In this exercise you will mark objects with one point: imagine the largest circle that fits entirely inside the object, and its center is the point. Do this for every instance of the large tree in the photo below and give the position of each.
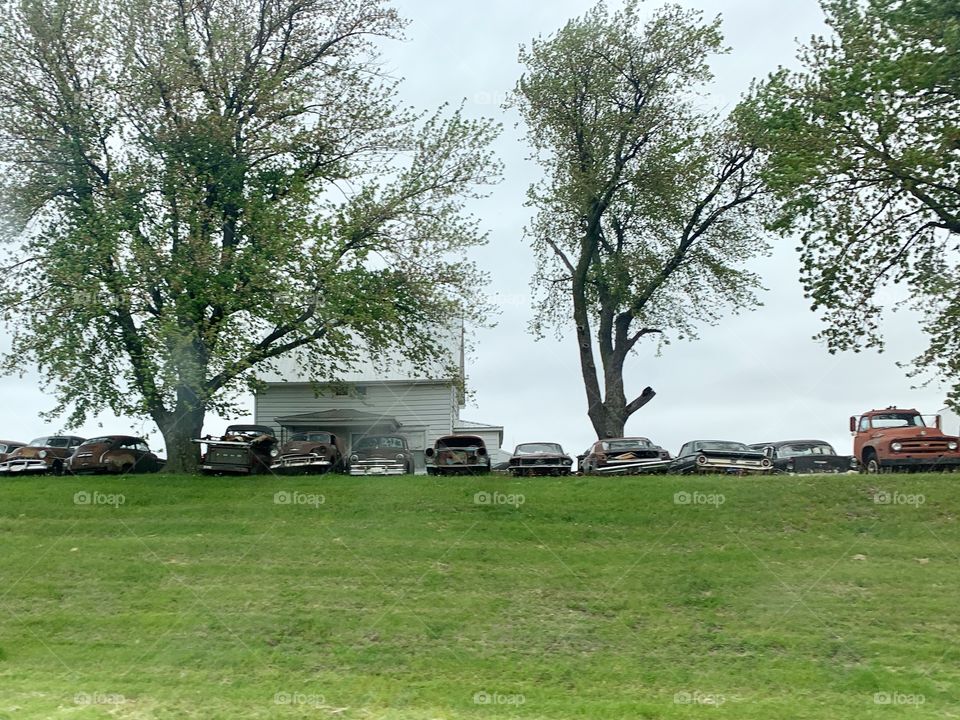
(864, 147)
(644, 216)
(197, 187)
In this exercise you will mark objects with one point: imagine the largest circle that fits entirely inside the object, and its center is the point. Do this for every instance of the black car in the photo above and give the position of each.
(720, 456)
(807, 457)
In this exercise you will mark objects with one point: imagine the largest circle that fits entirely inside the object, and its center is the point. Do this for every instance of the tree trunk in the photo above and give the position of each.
(179, 429)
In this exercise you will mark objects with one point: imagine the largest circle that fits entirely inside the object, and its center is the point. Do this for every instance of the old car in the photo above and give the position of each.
(902, 439)
(242, 449)
(623, 456)
(720, 456)
(7, 447)
(457, 455)
(806, 457)
(311, 452)
(381, 455)
(113, 454)
(539, 458)
(42, 455)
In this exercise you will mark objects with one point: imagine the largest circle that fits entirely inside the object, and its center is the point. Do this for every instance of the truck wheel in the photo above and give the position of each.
(871, 464)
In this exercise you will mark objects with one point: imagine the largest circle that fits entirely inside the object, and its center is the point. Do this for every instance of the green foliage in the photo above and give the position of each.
(864, 149)
(645, 215)
(200, 188)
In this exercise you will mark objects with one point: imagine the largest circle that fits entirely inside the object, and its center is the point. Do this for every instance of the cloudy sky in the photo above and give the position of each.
(755, 377)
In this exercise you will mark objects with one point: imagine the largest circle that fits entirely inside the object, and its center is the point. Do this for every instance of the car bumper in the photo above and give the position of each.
(232, 469)
(24, 467)
(302, 462)
(465, 468)
(948, 461)
(541, 467)
(372, 468)
(633, 467)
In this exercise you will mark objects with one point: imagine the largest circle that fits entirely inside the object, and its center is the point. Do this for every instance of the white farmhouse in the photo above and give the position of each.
(369, 401)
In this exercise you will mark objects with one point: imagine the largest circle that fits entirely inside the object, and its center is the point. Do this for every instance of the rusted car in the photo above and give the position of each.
(902, 439)
(720, 456)
(310, 452)
(805, 457)
(623, 456)
(457, 455)
(241, 450)
(41, 456)
(381, 455)
(119, 454)
(539, 458)
(7, 447)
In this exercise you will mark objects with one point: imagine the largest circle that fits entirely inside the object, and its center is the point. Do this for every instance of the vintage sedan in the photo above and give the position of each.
(807, 457)
(381, 455)
(119, 454)
(41, 456)
(241, 450)
(457, 455)
(539, 458)
(7, 447)
(623, 456)
(720, 456)
(311, 452)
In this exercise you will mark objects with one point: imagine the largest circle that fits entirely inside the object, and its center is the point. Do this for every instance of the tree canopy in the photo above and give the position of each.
(864, 148)
(194, 189)
(645, 216)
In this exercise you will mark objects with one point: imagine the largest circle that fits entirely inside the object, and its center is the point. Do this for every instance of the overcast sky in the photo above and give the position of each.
(756, 377)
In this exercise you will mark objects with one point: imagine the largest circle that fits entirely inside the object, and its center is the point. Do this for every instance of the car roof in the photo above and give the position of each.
(781, 443)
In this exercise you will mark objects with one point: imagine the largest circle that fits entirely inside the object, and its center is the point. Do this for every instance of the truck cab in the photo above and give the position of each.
(902, 439)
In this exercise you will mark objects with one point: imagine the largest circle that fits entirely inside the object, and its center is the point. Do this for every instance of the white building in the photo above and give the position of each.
(370, 401)
(950, 421)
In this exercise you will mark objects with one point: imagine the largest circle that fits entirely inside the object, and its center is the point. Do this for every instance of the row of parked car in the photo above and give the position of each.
(884, 440)
(60, 454)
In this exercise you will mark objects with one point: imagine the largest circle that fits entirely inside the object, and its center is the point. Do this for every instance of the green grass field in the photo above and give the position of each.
(412, 597)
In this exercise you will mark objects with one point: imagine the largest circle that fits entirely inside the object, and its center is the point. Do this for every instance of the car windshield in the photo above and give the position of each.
(723, 446)
(380, 443)
(55, 442)
(626, 444)
(895, 420)
(320, 437)
(97, 441)
(249, 430)
(534, 448)
(801, 449)
(466, 441)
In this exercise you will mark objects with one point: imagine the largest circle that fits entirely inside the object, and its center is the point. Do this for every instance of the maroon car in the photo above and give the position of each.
(539, 458)
(41, 456)
(113, 454)
(311, 452)
(7, 447)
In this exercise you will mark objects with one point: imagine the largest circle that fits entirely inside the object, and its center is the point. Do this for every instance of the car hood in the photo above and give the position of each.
(381, 453)
(304, 446)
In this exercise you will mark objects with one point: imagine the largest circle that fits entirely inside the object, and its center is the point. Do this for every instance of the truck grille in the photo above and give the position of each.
(934, 446)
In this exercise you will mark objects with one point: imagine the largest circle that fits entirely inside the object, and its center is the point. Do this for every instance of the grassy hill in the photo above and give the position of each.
(415, 597)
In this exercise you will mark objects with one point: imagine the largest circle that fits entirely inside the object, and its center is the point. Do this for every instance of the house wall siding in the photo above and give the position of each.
(423, 408)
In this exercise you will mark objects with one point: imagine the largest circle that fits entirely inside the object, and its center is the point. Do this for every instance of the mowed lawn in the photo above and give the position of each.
(413, 597)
